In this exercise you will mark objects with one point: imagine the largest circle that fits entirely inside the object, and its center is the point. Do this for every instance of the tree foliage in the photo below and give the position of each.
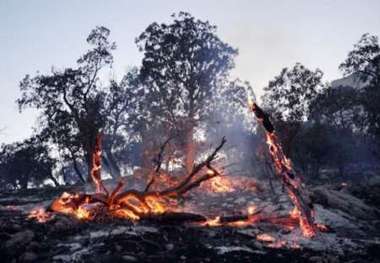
(290, 94)
(363, 63)
(24, 163)
(72, 100)
(184, 63)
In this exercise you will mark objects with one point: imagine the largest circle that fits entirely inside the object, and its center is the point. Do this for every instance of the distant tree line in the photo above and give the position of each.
(330, 127)
(183, 91)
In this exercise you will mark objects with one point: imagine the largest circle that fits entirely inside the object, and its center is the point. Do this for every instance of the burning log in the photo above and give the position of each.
(285, 171)
(132, 204)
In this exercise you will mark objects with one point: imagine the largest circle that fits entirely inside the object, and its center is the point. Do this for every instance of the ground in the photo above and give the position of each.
(352, 237)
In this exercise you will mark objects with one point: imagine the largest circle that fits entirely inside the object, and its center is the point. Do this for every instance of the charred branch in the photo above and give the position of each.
(285, 172)
(158, 161)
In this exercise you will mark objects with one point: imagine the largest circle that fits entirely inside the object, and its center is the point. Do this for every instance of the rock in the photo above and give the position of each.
(169, 246)
(16, 227)
(129, 258)
(316, 259)
(240, 200)
(34, 245)
(118, 248)
(375, 180)
(343, 201)
(28, 257)
(20, 239)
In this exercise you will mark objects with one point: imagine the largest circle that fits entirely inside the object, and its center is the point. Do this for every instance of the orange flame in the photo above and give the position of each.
(40, 215)
(220, 184)
(212, 222)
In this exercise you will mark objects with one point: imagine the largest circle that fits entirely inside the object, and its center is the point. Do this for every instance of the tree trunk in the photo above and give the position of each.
(189, 149)
(146, 150)
(112, 164)
(77, 171)
(24, 183)
(54, 180)
(89, 165)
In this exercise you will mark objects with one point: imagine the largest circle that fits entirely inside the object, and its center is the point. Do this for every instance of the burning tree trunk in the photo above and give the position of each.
(96, 166)
(288, 176)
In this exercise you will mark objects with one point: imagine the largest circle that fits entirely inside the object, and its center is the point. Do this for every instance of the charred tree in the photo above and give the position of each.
(288, 176)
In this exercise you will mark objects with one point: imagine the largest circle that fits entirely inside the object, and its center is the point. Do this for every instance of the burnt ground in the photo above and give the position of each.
(65, 239)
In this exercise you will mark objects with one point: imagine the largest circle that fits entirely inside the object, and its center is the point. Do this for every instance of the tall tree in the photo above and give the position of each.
(290, 94)
(338, 107)
(363, 63)
(288, 98)
(71, 101)
(183, 64)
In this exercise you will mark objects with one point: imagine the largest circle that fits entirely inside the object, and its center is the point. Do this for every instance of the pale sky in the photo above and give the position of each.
(38, 34)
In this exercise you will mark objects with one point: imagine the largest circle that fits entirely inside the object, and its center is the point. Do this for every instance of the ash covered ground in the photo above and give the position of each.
(353, 234)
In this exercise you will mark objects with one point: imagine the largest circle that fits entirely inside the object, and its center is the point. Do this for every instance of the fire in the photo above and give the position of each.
(136, 205)
(125, 213)
(96, 166)
(40, 215)
(220, 184)
(83, 213)
(280, 160)
(295, 214)
(265, 237)
(251, 209)
(284, 170)
(73, 204)
(212, 222)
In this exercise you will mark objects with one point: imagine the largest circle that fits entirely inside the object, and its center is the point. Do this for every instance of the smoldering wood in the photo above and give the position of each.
(290, 180)
(103, 196)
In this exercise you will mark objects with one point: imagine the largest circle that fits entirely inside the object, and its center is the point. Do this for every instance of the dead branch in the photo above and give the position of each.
(180, 188)
(158, 162)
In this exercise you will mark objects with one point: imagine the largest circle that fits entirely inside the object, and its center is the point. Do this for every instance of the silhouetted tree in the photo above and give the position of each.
(122, 122)
(290, 94)
(337, 107)
(71, 101)
(288, 98)
(183, 64)
(25, 162)
(363, 63)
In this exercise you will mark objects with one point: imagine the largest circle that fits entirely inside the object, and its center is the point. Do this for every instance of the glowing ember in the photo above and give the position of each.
(278, 244)
(295, 214)
(210, 172)
(285, 171)
(132, 204)
(213, 222)
(219, 184)
(251, 209)
(83, 213)
(322, 227)
(40, 215)
(265, 238)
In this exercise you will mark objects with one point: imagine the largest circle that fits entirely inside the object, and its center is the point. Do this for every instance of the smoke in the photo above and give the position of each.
(231, 119)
